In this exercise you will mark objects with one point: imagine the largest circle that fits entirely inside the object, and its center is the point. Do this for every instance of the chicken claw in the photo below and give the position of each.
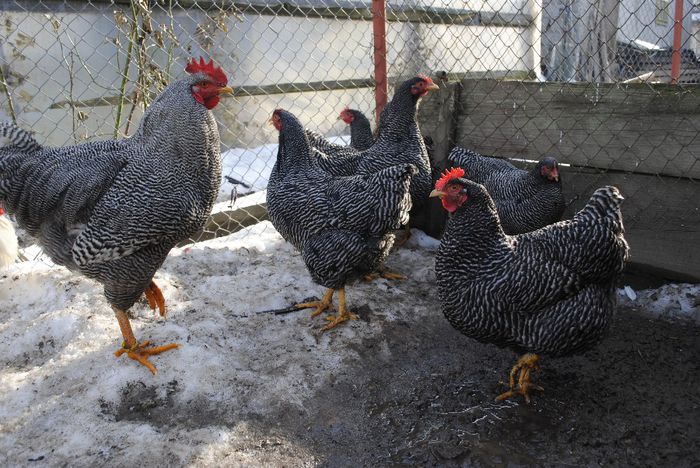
(133, 349)
(343, 314)
(386, 274)
(526, 364)
(140, 352)
(325, 303)
(155, 298)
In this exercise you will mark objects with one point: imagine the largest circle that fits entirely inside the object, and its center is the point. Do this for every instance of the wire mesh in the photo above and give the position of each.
(77, 70)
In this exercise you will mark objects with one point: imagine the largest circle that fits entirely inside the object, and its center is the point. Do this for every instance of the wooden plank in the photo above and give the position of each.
(243, 91)
(286, 88)
(224, 223)
(641, 128)
(661, 215)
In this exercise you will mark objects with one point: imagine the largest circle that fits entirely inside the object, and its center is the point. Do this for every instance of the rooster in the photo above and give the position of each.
(550, 291)
(525, 200)
(112, 210)
(341, 225)
(8, 242)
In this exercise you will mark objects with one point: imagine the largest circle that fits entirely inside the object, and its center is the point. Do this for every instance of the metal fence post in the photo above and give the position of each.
(677, 37)
(380, 68)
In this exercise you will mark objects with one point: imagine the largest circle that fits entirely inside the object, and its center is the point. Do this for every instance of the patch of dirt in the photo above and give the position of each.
(422, 394)
(431, 401)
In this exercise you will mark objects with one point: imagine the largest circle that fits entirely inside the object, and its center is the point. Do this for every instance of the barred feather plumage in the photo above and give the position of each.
(342, 225)
(112, 210)
(399, 142)
(20, 139)
(525, 200)
(361, 137)
(550, 291)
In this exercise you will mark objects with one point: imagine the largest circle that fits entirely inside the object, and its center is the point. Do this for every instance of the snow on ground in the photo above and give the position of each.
(66, 399)
(252, 166)
(669, 301)
(62, 389)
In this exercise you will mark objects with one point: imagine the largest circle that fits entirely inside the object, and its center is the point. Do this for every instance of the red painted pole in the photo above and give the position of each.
(677, 37)
(380, 71)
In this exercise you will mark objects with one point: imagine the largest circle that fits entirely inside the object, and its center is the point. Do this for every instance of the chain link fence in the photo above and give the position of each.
(585, 81)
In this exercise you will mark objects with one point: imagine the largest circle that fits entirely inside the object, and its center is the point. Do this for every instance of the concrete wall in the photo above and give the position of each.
(638, 21)
(253, 49)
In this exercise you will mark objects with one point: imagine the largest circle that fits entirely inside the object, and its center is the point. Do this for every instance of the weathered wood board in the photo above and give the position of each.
(224, 223)
(622, 135)
(661, 215)
(641, 128)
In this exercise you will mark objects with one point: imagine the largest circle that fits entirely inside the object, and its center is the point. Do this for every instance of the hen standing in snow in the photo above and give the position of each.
(341, 225)
(112, 210)
(525, 201)
(8, 242)
(550, 291)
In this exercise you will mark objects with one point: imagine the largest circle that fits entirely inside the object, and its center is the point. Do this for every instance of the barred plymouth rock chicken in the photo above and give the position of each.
(550, 291)
(112, 210)
(525, 200)
(341, 225)
(361, 136)
(399, 142)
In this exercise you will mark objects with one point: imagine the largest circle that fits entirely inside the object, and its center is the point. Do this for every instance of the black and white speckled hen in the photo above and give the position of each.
(399, 142)
(112, 210)
(342, 225)
(525, 200)
(550, 291)
(361, 136)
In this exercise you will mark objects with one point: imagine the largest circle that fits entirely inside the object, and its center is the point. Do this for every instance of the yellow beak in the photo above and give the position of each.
(225, 90)
(432, 87)
(437, 193)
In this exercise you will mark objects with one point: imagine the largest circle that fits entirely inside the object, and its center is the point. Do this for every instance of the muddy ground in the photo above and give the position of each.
(633, 401)
(398, 387)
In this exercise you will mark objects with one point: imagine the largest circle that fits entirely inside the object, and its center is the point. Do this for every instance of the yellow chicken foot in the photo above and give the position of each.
(343, 314)
(526, 364)
(155, 298)
(386, 274)
(135, 350)
(325, 303)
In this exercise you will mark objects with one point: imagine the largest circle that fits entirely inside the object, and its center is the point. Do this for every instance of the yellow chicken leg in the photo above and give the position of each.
(386, 274)
(325, 303)
(526, 364)
(155, 298)
(135, 350)
(343, 314)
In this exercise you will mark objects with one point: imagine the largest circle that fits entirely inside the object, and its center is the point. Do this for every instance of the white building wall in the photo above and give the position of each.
(252, 49)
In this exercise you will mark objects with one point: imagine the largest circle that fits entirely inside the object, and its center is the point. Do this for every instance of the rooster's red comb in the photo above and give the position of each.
(425, 77)
(215, 73)
(448, 175)
(2, 212)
